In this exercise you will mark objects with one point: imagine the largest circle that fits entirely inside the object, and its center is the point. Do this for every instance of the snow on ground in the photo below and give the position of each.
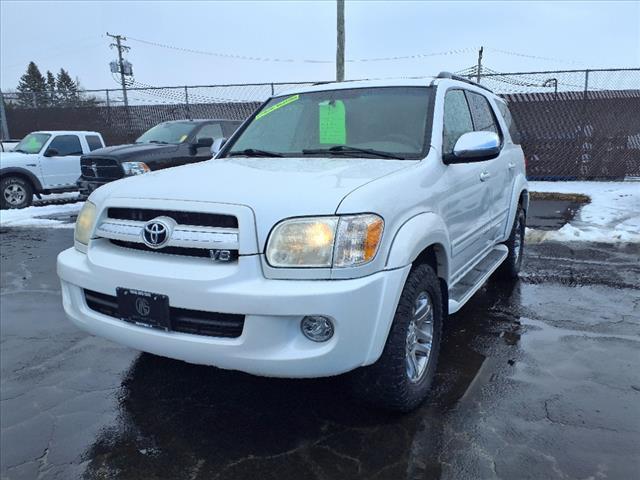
(612, 216)
(57, 197)
(56, 216)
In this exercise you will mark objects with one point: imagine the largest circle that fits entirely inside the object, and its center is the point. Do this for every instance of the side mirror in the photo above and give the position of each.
(217, 145)
(475, 147)
(203, 142)
(51, 152)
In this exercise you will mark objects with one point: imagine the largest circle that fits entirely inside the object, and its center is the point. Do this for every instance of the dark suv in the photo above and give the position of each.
(166, 145)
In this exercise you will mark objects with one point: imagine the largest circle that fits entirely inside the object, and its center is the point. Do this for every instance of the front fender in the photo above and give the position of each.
(37, 186)
(416, 234)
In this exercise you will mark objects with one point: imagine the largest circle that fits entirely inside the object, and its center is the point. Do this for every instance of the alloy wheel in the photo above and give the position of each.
(419, 337)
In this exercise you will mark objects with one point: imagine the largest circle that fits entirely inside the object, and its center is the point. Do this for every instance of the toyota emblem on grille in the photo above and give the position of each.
(94, 169)
(156, 233)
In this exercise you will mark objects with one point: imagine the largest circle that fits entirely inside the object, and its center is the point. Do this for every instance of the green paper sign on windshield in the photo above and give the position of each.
(332, 124)
(33, 144)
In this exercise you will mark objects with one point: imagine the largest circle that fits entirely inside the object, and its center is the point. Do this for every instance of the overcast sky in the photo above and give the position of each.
(71, 34)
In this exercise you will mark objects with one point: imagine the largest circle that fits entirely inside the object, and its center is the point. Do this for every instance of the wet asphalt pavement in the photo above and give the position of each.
(537, 379)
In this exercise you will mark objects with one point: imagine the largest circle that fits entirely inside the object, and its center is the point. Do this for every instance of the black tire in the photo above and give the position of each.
(387, 382)
(15, 192)
(510, 268)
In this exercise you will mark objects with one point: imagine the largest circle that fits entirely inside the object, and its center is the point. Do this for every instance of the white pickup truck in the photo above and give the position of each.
(333, 232)
(43, 162)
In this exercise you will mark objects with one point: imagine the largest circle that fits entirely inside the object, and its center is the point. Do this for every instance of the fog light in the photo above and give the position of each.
(317, 328)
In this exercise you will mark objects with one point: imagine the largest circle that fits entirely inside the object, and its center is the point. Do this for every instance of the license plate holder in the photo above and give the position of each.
(147, 309)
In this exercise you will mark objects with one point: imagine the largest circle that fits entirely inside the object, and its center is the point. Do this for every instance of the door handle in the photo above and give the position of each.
(484, 176)
(511, 165)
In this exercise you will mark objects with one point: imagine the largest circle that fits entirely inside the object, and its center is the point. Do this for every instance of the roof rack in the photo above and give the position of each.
(452, 76)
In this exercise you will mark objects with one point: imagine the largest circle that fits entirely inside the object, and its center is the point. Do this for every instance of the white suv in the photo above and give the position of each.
(334, 232)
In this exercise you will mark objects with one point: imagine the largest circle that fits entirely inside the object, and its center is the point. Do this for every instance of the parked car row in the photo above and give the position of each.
(46, 162)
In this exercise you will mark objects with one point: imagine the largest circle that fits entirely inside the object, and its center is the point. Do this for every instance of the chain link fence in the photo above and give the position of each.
(104, 110)
(574, 124)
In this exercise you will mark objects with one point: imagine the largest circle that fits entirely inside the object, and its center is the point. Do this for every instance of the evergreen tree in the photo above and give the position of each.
(32, 81)
(67, 88)
(51, 88)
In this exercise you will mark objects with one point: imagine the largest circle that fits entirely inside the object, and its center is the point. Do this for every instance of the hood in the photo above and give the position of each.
(8, 159)
(137, 150)
(274, 188)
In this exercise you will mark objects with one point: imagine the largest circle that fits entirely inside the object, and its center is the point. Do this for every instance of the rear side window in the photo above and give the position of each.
(212, 130)
(94, 142)
(66, 145)
(457, 119)
(511, 123)
(482, 114)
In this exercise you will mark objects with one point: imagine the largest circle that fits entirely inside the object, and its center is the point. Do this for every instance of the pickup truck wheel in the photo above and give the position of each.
(401, 378)
(16, 192)
(510, 268)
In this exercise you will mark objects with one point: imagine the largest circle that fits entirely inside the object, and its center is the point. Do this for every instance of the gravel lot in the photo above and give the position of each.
(538, 379)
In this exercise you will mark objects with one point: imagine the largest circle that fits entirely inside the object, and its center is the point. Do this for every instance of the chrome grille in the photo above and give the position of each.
(200, 219)
(100, 168)
(219, 244)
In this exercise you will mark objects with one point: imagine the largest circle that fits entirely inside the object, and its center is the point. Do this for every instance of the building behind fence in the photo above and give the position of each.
(574, 124)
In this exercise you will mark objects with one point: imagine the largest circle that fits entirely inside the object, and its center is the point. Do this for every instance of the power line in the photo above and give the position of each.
(534, 57)
(294, 60)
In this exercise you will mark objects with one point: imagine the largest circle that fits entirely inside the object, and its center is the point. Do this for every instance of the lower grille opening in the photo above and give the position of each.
(184, 251)
(182, 320)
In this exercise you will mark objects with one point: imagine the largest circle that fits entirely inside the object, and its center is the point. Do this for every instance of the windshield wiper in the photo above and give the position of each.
(19, 150)
(346, 150)
(254, 152)
(158, 141)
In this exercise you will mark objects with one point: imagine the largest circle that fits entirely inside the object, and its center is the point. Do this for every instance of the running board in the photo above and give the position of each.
(472, 281)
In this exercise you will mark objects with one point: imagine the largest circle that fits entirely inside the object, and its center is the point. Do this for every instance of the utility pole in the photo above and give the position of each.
(340, 46)
(121, 47)
(479, 72)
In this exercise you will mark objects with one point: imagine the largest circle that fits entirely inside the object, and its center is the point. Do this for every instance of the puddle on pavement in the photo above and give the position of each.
(178, 418)
(509, 374)
(190, 415)
(551, 214)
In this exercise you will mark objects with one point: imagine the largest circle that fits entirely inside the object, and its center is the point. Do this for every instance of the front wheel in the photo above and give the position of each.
(401, 378)
(15, 192)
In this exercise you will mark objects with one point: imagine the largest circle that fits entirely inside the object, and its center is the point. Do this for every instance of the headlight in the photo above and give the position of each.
(135, 168)
(341, 241)
(84, 223)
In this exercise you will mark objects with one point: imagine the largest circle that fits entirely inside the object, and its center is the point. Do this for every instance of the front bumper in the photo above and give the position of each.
(271, 343)
(86, 187)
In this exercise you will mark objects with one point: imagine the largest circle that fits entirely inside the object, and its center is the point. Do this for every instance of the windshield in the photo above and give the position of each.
(383, 122)
(170, 132)
(32, 143)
